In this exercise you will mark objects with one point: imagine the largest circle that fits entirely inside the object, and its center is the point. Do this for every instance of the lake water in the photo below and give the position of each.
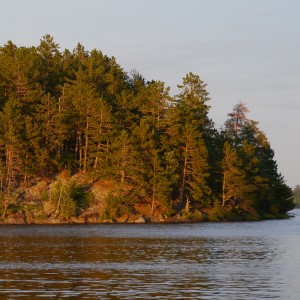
(256, 260)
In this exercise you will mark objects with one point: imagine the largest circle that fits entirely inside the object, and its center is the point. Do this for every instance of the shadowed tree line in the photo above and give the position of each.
(80, 111)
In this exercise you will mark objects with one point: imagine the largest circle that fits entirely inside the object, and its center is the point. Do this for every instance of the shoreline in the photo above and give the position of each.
(140, 221)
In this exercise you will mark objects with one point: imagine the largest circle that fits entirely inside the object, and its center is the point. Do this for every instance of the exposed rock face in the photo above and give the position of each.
(107, 221)
(136, 219)
(132, 218)
(141, 219)
(101, 190)
(123, 218)
(36, 206)
(17, 218)
(92, 218)
(158, 218)
(174, 219)
(35, 193)
(30, 218)
(89, 216)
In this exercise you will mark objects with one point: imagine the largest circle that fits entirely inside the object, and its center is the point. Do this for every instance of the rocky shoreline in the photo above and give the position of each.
(21, 218)
(40, 202)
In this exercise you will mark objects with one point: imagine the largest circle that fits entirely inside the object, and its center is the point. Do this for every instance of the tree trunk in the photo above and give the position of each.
(223, 188)
(96, 158)
(78, 148)
(86, 147)
(99, 143)
(181, 194)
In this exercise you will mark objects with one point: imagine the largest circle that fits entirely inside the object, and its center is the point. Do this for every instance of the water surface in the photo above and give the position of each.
(255, 260)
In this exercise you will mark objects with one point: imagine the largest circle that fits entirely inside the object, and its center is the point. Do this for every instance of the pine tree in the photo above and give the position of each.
(125, 161)
(50, 65)
(187, 120)
(236, 121)
(12, 141)
(234, 177)
(78, 110)
(262, 177)
(156, 183)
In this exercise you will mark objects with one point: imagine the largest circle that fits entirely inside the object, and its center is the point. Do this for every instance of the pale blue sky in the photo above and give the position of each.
(245, 50)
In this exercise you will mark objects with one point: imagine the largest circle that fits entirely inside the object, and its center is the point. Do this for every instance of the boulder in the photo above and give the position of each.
(158, 218)
(132, 218)
(107, 221)
(136, 219)
(141, 219)
(123, 218)
(92, 218)
(174, 219)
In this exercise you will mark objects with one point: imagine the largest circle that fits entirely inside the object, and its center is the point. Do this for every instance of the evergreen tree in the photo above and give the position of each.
(125, 161)
(12, 141)
(78, 110)
(50, 66)
(188, 118)
(258, 164)
(236, 122)
(234, 177)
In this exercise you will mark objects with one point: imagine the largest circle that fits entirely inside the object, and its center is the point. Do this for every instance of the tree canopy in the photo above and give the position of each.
(80, 111)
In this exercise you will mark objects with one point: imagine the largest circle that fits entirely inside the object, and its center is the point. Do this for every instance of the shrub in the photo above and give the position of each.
(217, 213)
(68, 196)
(117, 205)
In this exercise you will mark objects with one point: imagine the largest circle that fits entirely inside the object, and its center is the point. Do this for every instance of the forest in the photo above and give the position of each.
(81, 140)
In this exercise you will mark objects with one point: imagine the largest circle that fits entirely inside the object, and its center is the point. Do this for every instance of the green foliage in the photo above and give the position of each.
(283, 198)
(13, 208)
(218, 212)
(197, 216)
(67, 197)
(262, 189)
(36, 210)
(79, 111)
(81, 196)
(194, 216)
(234, 177)
(187, 122)
(8, 203)
(116, 205)
(60, 196)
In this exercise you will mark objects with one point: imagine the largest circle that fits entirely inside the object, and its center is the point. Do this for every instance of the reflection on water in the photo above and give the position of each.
(257, 260)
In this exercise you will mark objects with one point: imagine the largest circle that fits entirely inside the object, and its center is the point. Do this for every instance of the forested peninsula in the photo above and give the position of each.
(83, 141)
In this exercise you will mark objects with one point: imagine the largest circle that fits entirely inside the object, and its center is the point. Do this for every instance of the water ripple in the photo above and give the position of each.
(259, 260)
